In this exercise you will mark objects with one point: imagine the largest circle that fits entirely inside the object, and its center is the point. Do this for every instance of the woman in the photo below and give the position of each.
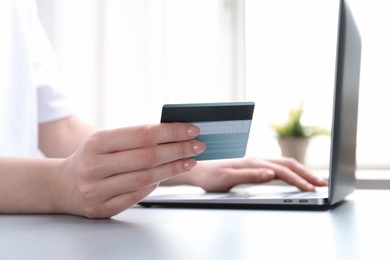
(83, 171)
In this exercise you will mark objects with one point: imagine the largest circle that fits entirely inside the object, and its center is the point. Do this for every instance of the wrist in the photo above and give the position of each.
(60, 190)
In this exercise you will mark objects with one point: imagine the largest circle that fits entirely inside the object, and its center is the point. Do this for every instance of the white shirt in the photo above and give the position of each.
(28, 79)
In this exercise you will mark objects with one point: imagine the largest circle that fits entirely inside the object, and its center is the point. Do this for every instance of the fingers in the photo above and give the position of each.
(286, 169)
(122, 202)
(294, 173)
(300, 170)
(110, 196)
(259, 175)
(132, 181)
(140, 136)
(244, 175)
(117, 204)
(144, 158)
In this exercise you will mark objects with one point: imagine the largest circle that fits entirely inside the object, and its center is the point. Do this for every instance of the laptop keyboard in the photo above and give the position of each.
(278, 193)
(281, 195)
(301, 194)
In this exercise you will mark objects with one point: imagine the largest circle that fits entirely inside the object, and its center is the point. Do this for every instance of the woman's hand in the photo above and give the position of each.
(222, 175)
(115, 169)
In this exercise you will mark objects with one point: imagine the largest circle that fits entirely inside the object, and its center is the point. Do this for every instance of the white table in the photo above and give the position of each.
(357, 229)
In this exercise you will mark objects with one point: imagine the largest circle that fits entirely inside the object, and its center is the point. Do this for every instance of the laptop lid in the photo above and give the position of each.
(345, 112)
(343, 136)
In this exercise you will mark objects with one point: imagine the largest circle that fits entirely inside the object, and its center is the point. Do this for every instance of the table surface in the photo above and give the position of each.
(356, 229)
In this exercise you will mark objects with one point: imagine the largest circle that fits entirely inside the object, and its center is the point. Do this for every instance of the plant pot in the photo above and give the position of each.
(294, 147)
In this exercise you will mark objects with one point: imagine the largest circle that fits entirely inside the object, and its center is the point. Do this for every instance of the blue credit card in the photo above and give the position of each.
(224, 127)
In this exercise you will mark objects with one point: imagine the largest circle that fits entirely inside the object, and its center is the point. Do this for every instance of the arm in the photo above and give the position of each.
(63, 137)
(110, 171)
(29, 185)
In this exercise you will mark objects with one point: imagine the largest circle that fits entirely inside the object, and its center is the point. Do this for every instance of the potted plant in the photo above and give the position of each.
(293, 137)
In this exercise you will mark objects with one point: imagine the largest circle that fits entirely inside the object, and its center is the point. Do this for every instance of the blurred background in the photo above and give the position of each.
(121, 60)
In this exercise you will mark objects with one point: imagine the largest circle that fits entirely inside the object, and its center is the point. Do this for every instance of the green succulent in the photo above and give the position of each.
(294, 128)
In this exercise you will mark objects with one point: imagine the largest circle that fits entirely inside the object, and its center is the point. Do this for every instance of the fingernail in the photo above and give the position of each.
(189, 164)
(199, 147)
(193, 131)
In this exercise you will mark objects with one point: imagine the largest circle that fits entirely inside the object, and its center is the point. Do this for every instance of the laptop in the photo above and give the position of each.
(343, 144)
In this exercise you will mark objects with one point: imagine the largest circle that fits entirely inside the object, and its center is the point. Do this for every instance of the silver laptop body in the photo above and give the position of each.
(343, 144)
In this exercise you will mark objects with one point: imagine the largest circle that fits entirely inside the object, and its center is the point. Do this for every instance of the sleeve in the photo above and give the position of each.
(52, 102)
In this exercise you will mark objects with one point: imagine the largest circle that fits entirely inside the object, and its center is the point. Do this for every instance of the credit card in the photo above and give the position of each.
(224, 127)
